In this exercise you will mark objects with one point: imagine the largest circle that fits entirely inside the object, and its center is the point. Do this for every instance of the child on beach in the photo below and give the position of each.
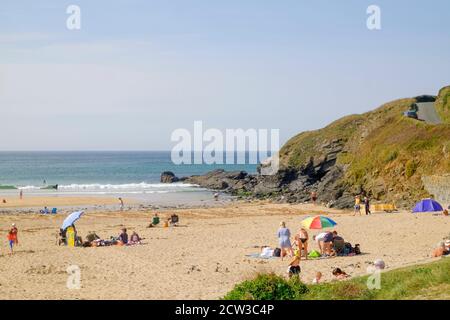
(12, 237)
(134, 239)
(317, 278)
(294, 267)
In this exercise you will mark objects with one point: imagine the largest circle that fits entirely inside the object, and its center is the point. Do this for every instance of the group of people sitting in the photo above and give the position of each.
(329, 244)
(123, 239)
(173, 221)
(93, 240)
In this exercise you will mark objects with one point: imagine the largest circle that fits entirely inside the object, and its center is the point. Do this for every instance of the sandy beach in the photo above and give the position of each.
(203, 258)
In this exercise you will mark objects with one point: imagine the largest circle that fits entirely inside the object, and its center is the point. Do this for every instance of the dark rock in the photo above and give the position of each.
(168, 177)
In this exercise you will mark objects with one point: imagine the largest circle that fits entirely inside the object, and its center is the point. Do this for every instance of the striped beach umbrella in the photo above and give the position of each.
(318, 222)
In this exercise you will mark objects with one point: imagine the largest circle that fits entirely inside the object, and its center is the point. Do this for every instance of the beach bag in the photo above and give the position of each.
(314, 254)
(277, 252)
(357, 249)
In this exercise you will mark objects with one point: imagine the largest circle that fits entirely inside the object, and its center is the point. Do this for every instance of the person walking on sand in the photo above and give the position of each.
(121, 204)
(367, 205)
(284, 238)
(21, 194)
(12, 237)
(357, 205)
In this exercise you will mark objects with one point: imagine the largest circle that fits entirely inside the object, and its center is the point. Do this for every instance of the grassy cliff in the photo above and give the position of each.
(422, 282)
(443, 104)
(382, 152)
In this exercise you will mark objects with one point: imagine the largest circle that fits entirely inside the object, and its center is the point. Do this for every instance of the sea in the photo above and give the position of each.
(107, 173)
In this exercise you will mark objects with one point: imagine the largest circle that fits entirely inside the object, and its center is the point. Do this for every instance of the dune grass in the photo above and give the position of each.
(427, 281)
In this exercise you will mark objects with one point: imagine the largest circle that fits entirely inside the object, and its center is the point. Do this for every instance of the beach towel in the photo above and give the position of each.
(314, 254)
(259, 256)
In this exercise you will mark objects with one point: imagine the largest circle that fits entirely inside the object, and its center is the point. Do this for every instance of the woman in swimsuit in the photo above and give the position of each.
(302, 241)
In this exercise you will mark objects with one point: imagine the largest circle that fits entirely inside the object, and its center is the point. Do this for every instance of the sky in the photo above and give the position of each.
(138, 70)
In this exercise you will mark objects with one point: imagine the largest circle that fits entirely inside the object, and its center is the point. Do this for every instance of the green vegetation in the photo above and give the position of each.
(268, 287)
(443, 104)
(7, 187)
(241, 193)
(383, 151)
(428, 281)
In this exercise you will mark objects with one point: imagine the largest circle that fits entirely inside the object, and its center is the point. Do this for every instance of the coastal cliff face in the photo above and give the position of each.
(380, 153)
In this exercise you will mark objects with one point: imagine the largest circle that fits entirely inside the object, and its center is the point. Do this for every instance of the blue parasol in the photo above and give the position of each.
(71, 218)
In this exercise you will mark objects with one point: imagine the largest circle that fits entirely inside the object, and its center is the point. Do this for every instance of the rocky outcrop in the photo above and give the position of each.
(292, 185)
(168, 177)
(380, 153)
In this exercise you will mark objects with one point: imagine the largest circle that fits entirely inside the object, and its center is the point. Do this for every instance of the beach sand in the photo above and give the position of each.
(203, 258)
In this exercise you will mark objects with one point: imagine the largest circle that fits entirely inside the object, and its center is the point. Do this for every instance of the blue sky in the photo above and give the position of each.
(137, 70)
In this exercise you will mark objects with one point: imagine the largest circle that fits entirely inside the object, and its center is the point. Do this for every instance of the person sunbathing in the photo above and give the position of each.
(339, 274)
(441, 250)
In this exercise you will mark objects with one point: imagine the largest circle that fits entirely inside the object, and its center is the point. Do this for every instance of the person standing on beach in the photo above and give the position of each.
(367, 205)
(121, 204)
(357, 205)
(302, 241)
(314, 197)
(21, 194)
(12, 237)
(284, 238)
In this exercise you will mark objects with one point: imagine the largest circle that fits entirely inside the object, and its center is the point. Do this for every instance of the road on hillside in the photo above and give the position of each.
(427, 112)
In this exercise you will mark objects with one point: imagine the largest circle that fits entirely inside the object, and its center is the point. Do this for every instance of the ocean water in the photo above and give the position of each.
(99, 173)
